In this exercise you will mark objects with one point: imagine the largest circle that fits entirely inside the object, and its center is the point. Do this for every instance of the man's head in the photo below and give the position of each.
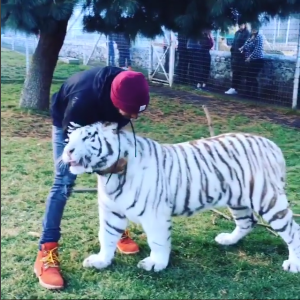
(255, 28)
(242, 26)
(130, 93)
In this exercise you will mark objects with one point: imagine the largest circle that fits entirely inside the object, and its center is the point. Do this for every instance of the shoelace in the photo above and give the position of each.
(126, 239)
(51, 260)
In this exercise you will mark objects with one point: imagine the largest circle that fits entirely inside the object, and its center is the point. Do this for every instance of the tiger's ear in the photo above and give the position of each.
(109, 126)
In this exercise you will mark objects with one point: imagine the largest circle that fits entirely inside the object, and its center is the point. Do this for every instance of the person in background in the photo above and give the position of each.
(206, 44)
(108, 94)
(194, 60)
(254, 58)
(111, 51)
(238, 58)
(123, 43)
(183, 60)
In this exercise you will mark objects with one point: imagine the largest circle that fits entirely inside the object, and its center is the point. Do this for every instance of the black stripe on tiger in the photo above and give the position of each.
(114, 228)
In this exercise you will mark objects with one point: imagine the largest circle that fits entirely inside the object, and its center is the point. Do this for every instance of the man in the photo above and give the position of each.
(254, 55)
(111, 51)
(238, 58)
(183, 60)
(123, 44)
(99, 94)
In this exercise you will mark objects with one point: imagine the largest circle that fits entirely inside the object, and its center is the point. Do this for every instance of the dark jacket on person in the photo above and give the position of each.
(182, 42)
(193, 44)
(84, 98)
(204, 43)
(240, 37)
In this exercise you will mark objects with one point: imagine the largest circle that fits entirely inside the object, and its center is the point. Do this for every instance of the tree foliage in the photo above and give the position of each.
(185, 16)
(34, 16)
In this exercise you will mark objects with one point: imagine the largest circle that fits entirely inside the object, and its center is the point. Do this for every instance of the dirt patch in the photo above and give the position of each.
(225, 108)
(22, 124)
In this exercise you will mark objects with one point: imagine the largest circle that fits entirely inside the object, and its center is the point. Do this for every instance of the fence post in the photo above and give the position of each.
(107, 51)
(172, 58)
(288, 30)
(94, 48)
(150, 65)
(13, 44)
(296, 77)
(275, 29)
(217, 40)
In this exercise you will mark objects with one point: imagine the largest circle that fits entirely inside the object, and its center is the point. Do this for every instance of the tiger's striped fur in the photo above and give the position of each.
(244, 172)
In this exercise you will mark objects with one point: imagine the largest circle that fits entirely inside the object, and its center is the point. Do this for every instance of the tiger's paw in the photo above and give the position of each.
(95, 261)
(291, 265)
(148, 263)
(225, 239)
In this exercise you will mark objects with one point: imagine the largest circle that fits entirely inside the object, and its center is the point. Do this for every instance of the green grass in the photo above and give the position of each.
(199, 268)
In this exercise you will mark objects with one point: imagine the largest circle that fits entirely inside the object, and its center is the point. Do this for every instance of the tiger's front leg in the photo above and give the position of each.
(159, 240)
(112, 225)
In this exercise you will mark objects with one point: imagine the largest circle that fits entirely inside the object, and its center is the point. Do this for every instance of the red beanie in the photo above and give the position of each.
(130, 92)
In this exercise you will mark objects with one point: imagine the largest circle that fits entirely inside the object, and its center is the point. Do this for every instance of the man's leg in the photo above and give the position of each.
(234, 70)
(255, 67)
(122, 58)
(206, 69)
(128, 56)
(47, 264)
(241, 76)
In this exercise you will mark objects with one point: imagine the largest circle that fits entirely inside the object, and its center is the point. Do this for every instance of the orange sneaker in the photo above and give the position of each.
(126, 245)
(46, 267)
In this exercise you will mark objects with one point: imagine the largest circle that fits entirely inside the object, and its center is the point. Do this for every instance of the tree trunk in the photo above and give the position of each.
(36, 90)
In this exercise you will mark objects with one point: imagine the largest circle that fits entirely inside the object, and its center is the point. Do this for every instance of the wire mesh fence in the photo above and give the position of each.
(262, 68)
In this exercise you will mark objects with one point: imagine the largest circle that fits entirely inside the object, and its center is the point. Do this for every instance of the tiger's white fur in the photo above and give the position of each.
(242, 171)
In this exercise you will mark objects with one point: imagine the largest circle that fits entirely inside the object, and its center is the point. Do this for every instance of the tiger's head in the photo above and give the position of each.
(92, 148)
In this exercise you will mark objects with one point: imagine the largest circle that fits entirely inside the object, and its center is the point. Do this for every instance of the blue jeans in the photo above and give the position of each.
(59, 193)
(124, 53)
(111, 54)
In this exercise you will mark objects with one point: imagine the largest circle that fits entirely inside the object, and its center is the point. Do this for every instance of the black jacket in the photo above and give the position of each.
(84, 98)
(240, 37)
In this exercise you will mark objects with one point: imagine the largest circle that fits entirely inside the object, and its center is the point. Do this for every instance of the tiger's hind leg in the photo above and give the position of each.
(280, 217)
(245, 220)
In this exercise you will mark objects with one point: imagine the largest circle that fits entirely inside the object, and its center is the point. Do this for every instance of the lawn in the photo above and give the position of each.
(199, 268)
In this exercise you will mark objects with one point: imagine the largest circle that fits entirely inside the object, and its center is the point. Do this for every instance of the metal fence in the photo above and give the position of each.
(173, 60)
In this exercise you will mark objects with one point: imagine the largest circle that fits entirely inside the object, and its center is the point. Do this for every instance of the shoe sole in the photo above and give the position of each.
(123, 252)
(45, 285)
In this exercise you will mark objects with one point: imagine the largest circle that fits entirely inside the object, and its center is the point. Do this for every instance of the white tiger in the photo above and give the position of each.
(241, 171)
